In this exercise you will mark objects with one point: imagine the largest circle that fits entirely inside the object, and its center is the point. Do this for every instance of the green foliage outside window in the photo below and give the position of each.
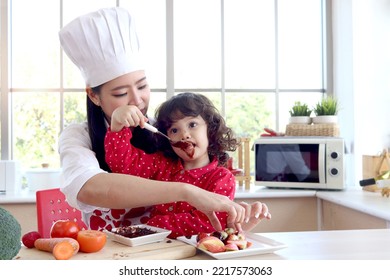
(36, 123)
(247, 114)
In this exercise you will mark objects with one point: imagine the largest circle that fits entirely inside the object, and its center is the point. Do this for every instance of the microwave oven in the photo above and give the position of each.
(300, 162)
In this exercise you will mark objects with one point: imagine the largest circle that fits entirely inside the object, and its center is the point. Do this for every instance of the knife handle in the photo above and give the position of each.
(367, 182)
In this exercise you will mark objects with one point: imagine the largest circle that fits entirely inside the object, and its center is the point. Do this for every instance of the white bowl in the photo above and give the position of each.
(160, 235)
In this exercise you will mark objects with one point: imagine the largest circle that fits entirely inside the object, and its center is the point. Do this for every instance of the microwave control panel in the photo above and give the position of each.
(335, 163)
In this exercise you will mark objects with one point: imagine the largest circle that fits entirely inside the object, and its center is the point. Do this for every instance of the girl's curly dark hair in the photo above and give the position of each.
(221, 138)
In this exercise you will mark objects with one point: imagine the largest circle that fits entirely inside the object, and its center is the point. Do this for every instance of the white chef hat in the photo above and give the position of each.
(103, 45)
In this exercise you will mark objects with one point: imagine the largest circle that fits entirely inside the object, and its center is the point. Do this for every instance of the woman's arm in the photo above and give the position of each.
(87, 187)
(112, 190)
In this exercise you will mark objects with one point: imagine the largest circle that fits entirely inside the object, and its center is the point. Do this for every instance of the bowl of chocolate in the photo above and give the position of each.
(138, 235)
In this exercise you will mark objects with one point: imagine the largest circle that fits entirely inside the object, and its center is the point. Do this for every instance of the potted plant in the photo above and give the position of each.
(326, 110)
(300, 113)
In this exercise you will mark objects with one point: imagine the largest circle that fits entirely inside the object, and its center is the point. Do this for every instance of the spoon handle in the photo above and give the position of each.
(154, 130)
(150, 128)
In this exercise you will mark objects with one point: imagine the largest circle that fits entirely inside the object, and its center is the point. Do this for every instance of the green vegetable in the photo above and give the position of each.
(10, 235)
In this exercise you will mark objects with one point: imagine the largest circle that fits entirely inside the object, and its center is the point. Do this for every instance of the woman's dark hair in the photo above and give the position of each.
(221, 138)
(97, 129)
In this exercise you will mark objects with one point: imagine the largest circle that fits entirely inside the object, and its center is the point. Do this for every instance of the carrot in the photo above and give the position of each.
(48, 245)
(63, 250)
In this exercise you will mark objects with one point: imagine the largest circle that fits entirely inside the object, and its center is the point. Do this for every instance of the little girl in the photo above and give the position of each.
(185, 117)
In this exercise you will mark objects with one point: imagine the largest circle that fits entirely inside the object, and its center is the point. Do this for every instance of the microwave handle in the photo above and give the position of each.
(321, 163)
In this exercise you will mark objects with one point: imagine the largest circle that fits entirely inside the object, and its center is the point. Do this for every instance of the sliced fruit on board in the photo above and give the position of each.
(211, 244)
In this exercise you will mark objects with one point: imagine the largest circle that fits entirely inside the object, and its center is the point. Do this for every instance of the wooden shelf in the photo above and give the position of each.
(244, 163)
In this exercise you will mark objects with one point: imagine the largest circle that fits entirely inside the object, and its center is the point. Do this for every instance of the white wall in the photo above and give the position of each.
(361, 31)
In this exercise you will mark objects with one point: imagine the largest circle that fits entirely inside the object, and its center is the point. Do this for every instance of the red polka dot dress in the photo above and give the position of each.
(180, 217)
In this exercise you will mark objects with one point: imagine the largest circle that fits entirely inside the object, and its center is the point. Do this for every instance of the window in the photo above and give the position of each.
(253, 58)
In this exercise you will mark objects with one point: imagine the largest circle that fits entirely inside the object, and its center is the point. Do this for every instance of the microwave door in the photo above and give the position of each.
(321, 164)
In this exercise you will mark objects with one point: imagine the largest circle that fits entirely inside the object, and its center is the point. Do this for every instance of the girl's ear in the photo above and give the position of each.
(92, 96)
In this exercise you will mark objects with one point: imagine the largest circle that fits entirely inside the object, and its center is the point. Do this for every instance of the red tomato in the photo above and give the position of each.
(91, 241)
(64, 228)
(29, 238)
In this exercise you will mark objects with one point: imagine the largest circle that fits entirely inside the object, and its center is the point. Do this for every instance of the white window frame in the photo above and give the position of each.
(6, 91)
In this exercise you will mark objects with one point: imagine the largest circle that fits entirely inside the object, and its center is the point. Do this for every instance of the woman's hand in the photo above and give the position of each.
(254, 213)
(126, 116)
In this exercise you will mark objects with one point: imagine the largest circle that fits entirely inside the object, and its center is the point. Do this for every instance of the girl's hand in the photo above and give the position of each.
(209, 203)
(254, 213)
(127, 116)
(241, 220)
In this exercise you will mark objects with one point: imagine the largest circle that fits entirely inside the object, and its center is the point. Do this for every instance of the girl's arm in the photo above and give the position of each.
(185, 220)
(123, 157)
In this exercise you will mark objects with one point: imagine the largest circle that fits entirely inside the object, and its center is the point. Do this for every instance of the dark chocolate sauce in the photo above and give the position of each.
(186, 147)
(132, 232)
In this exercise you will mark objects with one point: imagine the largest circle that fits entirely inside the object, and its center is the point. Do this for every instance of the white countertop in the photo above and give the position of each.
(263, 192)
(355, 198)
(28, 196)
(22, 196)
(371, 244)
(371, 203)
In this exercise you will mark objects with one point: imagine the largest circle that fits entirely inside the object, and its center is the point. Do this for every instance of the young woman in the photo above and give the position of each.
(104, 45)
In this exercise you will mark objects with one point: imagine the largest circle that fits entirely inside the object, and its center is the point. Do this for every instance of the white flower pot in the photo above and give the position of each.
(325, 119)
(300, 120)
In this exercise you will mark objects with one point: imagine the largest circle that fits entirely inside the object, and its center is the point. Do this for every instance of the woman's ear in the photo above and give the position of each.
(92, 96)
